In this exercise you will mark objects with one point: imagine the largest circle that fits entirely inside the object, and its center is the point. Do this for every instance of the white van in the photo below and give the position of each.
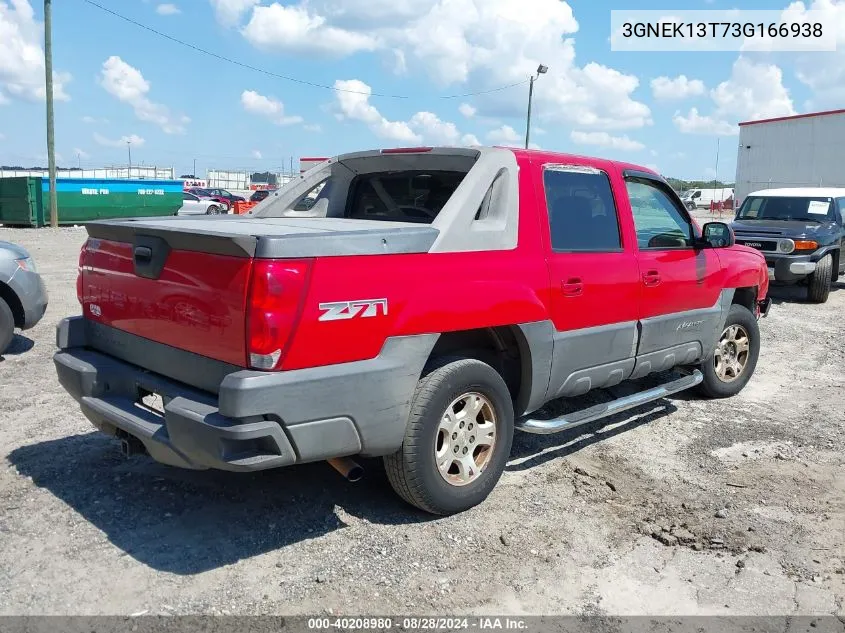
(701, 198)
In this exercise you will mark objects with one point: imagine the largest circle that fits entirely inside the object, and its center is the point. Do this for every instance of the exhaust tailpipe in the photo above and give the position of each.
(350, 470)
(131, 445)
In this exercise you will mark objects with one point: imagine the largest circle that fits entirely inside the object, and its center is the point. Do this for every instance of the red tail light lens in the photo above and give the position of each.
(80, 295)
(275, 302)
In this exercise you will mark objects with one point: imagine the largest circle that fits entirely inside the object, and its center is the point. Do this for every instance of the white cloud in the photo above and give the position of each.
(22, 56)
(132, 139)
(353, 103)
(653, 167)
(437, 132)
(603, 139)
(80, 153)
(753, 91)
(695, 123)
(478, 44)
(270, 108)
(353, 100)
(127, 84)
(2, 136)
(400, 64)
(168, 9)
(666, 89)
(294, 28)
(229, 12)
(90, 120)
(257, 154)
(467, 110)
(312, 127)
(505, 135)
(823, 73)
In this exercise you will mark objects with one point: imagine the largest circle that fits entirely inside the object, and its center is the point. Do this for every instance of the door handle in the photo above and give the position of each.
(651, 278)
(572, 287)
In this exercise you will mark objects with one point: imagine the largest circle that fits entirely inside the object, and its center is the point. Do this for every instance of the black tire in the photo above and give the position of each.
(820, 281)
(715, 387)
(413, 471)
(213, 209)
(7, 326)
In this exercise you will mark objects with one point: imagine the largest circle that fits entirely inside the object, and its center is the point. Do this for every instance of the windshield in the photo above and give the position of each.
(801, 208)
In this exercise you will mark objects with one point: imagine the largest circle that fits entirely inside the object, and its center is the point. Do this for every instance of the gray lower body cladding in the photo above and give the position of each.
(252, 420)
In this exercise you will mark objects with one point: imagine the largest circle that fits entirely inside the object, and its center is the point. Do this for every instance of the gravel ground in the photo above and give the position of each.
(684, 507)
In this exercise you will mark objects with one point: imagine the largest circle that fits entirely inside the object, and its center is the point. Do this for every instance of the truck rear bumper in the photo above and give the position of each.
(257, 420)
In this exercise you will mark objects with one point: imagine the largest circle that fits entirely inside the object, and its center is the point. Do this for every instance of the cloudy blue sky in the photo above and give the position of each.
(117, 82)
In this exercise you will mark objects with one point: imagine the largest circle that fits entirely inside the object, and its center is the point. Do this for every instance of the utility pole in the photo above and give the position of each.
(541, 70)
(716, 176)
(129, 147)
(195, 168)
(51, 139)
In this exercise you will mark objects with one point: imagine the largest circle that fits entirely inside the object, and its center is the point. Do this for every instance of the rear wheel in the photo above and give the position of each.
(213, 209)
(818, 289)
(7, 326)
(735, 359)
(458, 438)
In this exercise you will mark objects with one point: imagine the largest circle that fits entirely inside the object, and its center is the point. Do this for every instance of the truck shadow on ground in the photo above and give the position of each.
(531, 450)
(20, 345)
(187, 522)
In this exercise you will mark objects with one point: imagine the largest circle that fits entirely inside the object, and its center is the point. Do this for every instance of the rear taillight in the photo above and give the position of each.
(80, 265)
(274, 305)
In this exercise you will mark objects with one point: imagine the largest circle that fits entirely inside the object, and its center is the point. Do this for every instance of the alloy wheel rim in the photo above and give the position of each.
(732, 353)
(465, 439)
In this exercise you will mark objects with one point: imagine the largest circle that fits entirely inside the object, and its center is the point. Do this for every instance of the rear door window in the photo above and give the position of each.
(582, 213)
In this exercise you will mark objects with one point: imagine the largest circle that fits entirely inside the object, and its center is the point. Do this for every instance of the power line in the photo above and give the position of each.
(285, 77)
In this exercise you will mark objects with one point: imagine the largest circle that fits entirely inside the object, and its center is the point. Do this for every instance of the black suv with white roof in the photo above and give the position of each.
(800, 232)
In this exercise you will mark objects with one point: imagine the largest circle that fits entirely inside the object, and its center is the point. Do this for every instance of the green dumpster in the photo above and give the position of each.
(26, 201)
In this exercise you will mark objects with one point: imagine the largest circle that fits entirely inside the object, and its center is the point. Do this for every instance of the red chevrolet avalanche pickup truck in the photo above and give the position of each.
(422, 306)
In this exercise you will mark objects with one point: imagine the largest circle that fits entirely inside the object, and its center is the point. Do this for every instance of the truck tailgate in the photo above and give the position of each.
(184, 282)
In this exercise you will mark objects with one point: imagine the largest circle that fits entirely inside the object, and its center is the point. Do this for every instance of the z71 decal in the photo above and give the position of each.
(342, 310)
(689, 325)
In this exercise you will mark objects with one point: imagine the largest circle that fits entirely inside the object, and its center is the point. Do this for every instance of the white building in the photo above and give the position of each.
(807, 150)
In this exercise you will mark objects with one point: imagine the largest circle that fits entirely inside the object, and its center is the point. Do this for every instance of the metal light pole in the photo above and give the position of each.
(541, 70)
(51, 139)
(129, 148)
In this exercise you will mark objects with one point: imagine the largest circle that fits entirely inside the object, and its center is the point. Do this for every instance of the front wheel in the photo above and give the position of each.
(735, 359)
(820, 281)
(213, 209)
(458, 438)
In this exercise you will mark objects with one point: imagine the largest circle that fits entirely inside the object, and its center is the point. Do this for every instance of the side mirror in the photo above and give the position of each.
(717, 235)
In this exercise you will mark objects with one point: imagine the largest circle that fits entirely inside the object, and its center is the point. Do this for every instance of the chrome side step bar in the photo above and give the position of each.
(599, 411)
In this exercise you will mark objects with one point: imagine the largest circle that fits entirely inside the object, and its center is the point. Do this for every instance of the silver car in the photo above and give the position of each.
(23, 297)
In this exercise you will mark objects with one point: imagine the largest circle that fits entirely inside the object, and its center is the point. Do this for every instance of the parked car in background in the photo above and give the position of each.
(427, 304)
(205, 194)
(225, 195)
(23, 297)
(194, 205)
(261, 194)
(801, 233)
